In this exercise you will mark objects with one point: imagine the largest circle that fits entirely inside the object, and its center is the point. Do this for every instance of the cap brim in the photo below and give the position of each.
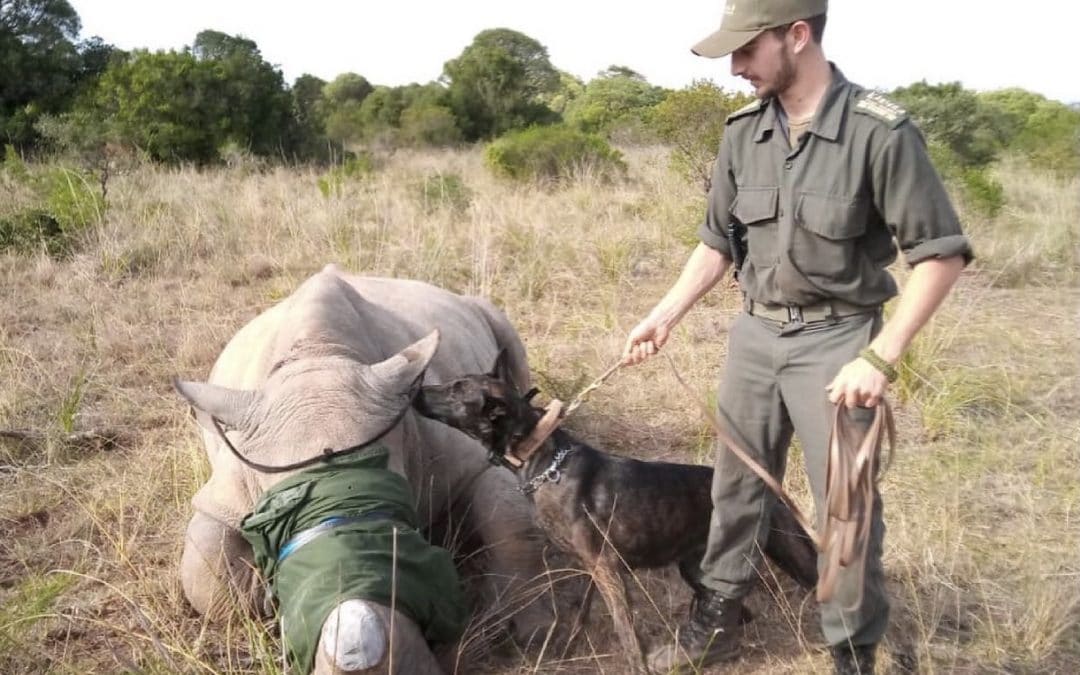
(723, 42)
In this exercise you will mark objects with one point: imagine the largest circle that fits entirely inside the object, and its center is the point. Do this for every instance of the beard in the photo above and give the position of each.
(785, 76)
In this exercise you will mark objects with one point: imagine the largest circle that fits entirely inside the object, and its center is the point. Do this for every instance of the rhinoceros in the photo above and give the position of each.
(327, 373)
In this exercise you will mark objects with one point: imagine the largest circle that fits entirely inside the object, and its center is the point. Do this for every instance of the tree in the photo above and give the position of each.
(692, 120)
(429, 124)
(954, 118)
(617, 96)
(559, 99)
(1046, 132)
(346, 88)
(167, 103)
(497, 81)
(252, 90)
(308, 140)
(39, 62)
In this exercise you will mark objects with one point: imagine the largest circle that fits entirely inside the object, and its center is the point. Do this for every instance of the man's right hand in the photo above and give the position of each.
(644, 340)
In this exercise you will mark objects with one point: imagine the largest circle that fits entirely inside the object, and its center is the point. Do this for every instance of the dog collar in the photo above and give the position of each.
(519, 455)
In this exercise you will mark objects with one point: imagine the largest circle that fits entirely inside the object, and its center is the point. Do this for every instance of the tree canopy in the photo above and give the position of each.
(219, 96)
(496, 83)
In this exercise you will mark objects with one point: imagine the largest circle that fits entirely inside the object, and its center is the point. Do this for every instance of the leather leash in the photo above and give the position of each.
(851, 474)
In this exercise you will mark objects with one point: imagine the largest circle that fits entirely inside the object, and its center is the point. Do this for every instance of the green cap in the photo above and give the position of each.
(744, 20)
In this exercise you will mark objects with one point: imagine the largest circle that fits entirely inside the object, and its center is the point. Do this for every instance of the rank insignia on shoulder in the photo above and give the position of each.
(753, 106)
(880, 106)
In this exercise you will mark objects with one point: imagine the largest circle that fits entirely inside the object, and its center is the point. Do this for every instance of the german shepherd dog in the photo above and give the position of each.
(609, 511)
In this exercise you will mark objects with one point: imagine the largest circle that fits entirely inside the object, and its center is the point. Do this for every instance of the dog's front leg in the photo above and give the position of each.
(609, 581)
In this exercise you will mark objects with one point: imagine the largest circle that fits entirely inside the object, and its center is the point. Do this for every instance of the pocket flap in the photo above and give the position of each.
(831, 216)
(755, 204)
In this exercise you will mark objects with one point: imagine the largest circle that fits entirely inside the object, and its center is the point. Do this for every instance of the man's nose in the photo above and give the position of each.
(737, 64)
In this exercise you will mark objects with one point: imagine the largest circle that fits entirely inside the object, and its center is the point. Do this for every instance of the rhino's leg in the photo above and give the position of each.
(500, 514)
(217, 571)
(364, 637)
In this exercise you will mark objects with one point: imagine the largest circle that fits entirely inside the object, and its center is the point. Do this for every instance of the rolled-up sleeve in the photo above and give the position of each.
(713, 231)
(911, 198)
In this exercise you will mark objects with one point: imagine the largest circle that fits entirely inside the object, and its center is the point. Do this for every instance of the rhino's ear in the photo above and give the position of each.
(228, 405)
(402, 369)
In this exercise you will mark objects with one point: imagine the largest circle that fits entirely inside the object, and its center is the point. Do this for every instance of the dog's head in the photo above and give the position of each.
(486, 406)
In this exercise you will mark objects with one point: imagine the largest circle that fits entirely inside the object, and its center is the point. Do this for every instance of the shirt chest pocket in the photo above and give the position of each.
(827, 229)
(756, 208)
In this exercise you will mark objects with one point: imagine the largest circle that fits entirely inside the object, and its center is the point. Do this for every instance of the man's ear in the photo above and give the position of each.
(801, 35)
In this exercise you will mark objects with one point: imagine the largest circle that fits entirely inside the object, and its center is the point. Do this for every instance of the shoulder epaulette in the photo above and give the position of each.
(881, 107)
(751, 107)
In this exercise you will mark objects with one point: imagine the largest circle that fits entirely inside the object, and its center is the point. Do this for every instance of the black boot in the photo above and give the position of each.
(711, 635)
(853, 659)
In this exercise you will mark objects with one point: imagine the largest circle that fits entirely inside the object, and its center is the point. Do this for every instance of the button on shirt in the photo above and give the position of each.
(821, 217)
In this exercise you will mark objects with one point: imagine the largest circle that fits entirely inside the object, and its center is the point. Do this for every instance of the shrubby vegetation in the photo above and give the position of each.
(552, 153)
(691, 121)
(48, 208)
(217, 101)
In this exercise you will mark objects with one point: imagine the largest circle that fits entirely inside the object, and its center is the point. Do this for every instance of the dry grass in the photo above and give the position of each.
(982, 501)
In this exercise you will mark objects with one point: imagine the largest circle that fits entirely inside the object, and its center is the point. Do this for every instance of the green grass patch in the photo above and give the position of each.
(27, 604)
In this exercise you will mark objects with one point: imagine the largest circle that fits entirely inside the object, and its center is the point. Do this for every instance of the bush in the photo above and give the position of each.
(56, 205)
(355, 168)
(72, 200)
(552, 153)
(444, 190)
(429, 125)
(31, 231)
(956, 118)
(692, 121)
(1045, 132)
(982, 191)
(618, 98)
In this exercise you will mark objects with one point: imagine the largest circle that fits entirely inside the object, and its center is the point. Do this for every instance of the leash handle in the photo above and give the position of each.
(851, 472)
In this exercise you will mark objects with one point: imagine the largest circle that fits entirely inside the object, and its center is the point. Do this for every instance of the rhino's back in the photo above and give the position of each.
(378, 316)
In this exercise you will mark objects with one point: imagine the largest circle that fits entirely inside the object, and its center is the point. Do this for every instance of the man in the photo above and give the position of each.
(823, 175)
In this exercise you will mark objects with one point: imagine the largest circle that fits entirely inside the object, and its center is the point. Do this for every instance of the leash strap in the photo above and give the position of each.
(580, 398)
(851, 474)
(761, 473)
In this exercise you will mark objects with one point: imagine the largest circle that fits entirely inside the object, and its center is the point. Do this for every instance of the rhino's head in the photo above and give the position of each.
(318, 397)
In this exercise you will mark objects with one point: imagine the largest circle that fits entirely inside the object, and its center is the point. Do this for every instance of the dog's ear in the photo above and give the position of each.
(501, 370)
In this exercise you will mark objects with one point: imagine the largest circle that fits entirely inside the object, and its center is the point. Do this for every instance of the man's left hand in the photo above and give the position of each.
(858, 384)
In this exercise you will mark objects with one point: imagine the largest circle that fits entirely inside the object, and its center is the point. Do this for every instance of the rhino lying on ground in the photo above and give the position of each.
(328, 369)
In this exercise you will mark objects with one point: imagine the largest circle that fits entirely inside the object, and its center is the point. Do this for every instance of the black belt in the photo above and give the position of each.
(825, 310)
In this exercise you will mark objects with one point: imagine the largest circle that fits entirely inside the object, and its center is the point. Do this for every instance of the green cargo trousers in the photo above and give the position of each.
(773, 386)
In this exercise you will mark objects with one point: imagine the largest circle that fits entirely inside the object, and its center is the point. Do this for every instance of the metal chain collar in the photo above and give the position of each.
(552, 474)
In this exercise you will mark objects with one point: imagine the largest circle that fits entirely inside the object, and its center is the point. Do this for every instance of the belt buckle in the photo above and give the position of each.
(795, 322)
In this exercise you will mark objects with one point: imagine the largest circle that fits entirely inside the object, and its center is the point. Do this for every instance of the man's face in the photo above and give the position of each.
(767, 62)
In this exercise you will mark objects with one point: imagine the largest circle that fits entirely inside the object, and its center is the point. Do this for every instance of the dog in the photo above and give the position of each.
(609, 511)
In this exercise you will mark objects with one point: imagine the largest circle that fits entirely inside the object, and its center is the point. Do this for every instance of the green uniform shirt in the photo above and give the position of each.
(821, 217)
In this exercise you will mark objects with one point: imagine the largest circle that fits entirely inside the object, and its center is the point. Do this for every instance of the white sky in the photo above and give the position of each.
(985, 44)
